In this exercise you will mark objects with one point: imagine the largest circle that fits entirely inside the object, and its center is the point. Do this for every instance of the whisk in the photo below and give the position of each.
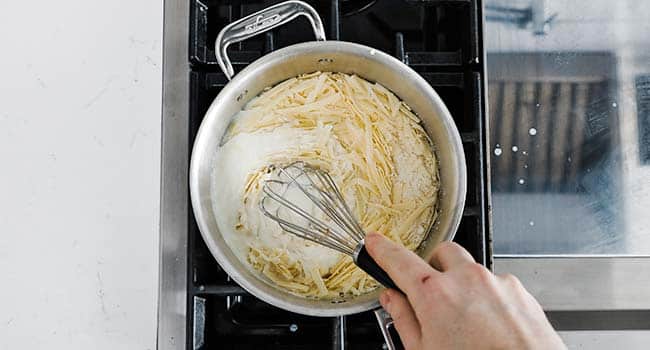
(329, 221)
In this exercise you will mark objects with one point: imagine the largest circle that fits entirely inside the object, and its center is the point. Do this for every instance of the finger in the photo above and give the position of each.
(449, 254)
(406, 269)
(403, 316)
(516, 290)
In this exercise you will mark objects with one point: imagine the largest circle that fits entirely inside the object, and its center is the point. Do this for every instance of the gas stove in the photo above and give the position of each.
(199, 306)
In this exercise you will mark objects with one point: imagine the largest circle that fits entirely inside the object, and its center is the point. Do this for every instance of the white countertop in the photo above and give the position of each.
(79, 186)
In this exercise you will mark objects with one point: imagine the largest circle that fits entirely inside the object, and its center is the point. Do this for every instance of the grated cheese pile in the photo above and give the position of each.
(372, 145)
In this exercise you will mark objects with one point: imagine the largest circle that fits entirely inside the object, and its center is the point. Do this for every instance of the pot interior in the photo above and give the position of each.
(334, 56)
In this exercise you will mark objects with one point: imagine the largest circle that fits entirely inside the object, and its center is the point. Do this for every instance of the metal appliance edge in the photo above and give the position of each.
(174, 163)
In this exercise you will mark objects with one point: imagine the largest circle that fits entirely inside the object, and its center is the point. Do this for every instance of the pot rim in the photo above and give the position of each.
(236, 84)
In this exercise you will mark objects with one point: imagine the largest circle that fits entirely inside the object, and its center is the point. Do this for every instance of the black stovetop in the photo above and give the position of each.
(442, 40)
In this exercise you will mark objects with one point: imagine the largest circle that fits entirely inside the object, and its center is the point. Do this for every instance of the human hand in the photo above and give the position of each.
(457, 303)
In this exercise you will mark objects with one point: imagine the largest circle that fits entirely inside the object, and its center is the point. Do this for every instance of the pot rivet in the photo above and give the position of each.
(293, 328)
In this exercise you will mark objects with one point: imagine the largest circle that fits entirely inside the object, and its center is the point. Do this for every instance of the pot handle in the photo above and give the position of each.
(393, 342)
(260, 22)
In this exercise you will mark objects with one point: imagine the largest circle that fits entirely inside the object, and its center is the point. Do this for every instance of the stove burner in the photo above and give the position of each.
(441, 40)
(352, 7)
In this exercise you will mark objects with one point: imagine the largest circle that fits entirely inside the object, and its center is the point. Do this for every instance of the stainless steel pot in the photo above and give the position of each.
(320, 55)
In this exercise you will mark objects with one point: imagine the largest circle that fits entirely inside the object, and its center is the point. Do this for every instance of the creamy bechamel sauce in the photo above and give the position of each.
(246, 154)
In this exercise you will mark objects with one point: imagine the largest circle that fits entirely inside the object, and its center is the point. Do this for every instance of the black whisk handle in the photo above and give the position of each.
(370, 266)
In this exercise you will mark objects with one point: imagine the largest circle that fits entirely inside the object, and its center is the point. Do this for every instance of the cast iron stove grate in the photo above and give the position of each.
(442, 40)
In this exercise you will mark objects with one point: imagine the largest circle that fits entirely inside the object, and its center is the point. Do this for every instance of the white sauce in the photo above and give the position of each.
(234, 161)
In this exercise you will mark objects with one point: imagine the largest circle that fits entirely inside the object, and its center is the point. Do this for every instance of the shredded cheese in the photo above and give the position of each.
(372, 144)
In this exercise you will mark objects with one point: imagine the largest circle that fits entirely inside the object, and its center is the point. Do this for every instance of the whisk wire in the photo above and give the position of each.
(335, 208)
(314, 222)
(323, 240)
(329, 236)
(347, 213)
(337, 229)
(342, 233)
(301, 232)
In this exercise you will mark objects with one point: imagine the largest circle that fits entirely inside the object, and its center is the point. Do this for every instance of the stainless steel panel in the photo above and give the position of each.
(592, 340)
(583, 283)
(567, 130)
(570, 192)
(174, 164)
